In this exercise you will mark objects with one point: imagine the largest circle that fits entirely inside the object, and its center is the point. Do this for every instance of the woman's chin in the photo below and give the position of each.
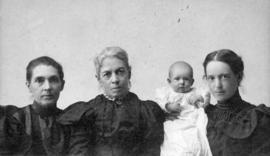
(221, 99)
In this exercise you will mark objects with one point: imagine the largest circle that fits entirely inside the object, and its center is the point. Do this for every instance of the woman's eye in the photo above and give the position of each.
(225, 76)
(210, 78)
(121, 71)
(54, 79)
(39, 80)
(106, 74)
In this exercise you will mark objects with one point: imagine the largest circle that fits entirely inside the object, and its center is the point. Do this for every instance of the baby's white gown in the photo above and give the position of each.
(185, 136)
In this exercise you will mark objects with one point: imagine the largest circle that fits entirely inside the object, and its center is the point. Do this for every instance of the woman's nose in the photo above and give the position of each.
(46, 85)
(115, 78)
(218, 83)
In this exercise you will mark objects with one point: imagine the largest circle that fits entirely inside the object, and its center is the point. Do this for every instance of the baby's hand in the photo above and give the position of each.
(200, 101)
(206, 98)
(173, 107)
(196, 100)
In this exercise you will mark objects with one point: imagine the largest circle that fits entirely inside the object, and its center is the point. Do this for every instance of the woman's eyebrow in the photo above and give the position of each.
(39, 77)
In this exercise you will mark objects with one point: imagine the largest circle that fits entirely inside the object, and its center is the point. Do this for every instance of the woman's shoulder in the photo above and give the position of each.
(82, 105)
(252, 120)
(21, 112)
(145, 104)
(261, 115)
(262, 109)
(151, 105)
(7, 110)
(254, 113)
(77, 106)
(150, 109)
(74, 112)
(135, 101)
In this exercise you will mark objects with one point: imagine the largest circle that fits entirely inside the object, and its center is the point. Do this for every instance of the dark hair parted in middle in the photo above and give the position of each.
(229, 57)
(43, 60)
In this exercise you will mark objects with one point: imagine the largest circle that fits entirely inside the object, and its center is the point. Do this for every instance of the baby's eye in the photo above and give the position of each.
(186, 79)
(177, 78)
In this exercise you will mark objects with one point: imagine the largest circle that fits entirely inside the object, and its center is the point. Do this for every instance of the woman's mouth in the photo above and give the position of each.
(220, 92)
(116, 88)
(47, 96)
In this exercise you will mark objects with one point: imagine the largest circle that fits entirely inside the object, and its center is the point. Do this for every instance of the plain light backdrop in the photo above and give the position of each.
(155, 33)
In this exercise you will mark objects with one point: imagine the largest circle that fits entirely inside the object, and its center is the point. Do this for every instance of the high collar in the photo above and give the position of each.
(119, 100)
(45, 111)
(233, 103)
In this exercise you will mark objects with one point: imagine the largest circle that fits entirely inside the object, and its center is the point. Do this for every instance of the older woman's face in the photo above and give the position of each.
(114, 77)
(45, 84)
(221, 80)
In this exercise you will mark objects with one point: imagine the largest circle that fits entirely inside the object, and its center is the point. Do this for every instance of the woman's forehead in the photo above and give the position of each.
(111, 63)
(218, 67)
(44, 71)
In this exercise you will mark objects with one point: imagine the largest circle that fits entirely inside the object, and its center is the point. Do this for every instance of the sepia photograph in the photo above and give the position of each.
(135, 78)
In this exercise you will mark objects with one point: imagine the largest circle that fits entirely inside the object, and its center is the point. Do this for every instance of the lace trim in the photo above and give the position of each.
(118, 100)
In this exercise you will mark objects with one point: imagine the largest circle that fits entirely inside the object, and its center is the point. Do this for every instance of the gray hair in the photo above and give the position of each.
(116, 52)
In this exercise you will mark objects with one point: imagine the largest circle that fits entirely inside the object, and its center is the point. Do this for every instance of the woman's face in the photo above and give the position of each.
(114, 77)
(45, 85)
(221, 80)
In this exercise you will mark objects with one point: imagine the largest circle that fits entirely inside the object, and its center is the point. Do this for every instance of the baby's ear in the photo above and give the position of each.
(192, 81)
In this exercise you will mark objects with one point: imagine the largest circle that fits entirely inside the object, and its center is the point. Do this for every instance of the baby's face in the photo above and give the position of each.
(181, 79)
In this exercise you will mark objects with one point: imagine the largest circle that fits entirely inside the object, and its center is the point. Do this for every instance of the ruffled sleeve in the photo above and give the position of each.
(153, 134)
(242, 126)
(253, 125)
(247, 122)
(13, 140)
(261, 134)
(74, 113)
(76, 118)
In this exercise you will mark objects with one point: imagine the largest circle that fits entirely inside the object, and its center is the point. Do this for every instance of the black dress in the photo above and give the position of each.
(101, 127)
(237, 128)
(10, 141)
(46, 137)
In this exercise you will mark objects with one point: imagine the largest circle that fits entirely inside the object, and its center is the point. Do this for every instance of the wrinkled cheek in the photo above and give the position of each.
(101, 86)
(106, 89)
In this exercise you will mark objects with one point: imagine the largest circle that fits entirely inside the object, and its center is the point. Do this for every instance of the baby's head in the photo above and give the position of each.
(180, 77)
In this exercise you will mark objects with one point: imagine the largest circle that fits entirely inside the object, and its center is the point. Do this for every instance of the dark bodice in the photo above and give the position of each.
(45, 135)
(118, 128)
(7, 142)
(237, 128)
